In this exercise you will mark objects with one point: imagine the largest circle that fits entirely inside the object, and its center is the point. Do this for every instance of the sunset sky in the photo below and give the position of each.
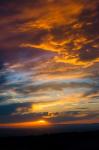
(49, 62)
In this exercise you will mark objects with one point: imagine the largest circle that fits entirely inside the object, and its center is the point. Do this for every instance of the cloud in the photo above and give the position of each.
(75, 45)
(9, 109)
(65, 28)
(49, 57)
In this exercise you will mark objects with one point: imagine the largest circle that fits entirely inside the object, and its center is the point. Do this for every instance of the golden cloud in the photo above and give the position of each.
(69, 44)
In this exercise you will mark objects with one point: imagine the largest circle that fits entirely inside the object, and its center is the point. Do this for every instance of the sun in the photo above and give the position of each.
(42, 122)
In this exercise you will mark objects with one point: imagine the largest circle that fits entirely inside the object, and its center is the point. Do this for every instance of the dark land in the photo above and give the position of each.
(70, 140)
(65, 141)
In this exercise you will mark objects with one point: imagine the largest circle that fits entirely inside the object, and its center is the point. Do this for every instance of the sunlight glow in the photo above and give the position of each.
(31, 124)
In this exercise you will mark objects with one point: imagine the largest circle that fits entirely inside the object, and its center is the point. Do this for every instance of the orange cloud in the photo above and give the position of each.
(65, 104)
(69, 44)
(52, 14)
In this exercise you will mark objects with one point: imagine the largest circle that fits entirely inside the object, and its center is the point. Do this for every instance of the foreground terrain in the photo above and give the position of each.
(66, 141)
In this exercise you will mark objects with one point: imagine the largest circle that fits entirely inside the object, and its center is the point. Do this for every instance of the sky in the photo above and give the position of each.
(49, 62)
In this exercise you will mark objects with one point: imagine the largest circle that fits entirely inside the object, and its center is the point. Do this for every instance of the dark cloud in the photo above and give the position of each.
(53, 86)
(9, 109)
(74, 116)
(93, 91)
(89, 19)
(88, 53)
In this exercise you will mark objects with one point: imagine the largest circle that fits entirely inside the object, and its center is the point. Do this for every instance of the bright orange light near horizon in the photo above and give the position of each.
(36, 123)
(41, 122)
